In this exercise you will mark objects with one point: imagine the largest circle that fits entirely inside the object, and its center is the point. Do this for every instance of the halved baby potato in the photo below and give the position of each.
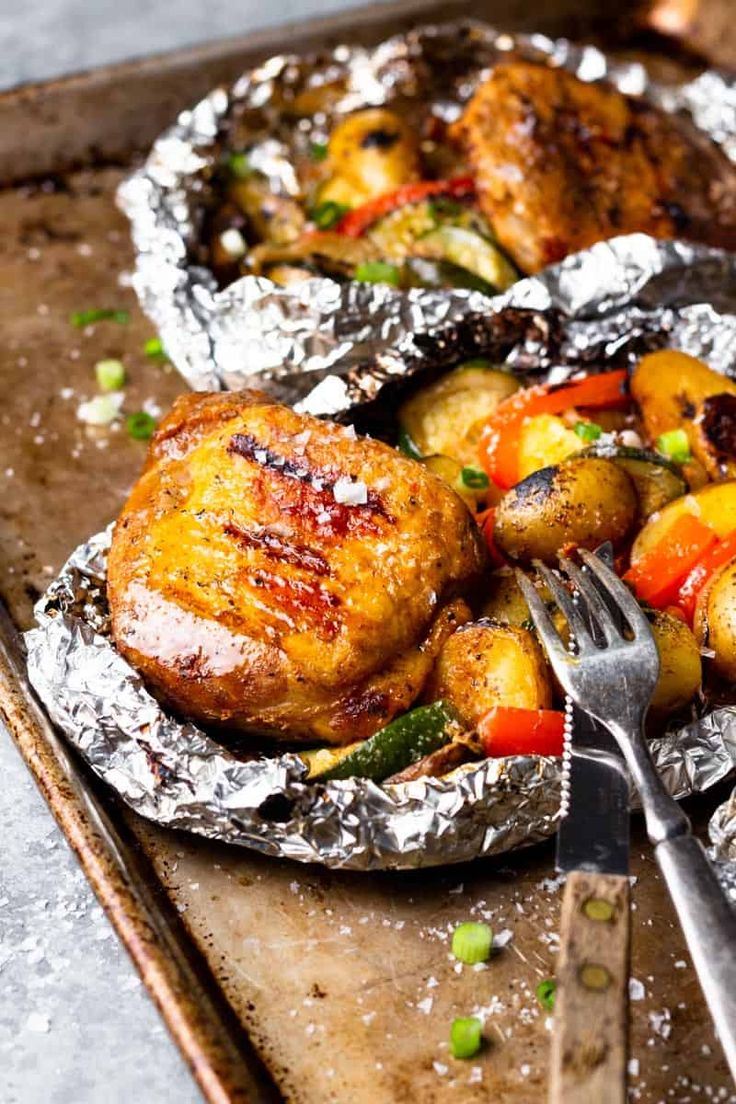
(447, 416)
(680, 665)
(714, 505)
(715, 620)
(485, 664)
(656, 480)
(370, 153)
(581, 502)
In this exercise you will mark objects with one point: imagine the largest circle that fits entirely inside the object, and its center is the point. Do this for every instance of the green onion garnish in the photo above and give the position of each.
(318, 151)
(475, 479)
(377, 272)
(328, 214)
(472, 942)
(407, 446)
(140, 426)
(466, 1035)
(80, 319)
(110, 374)
(154, 349)
(587, 431)
(239, 165)
(546, 993)
(675, 445)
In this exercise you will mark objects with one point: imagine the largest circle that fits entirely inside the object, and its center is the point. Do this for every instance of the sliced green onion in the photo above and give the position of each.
(474, 478)
(239, 165)
(466, 1035)
(587, 431)
(154, 349)
(407, 446)
(140, 426)
(472, 942)
(546, 993)
(377, 272)
(110, 374)
(675, 444)
(328, 214)
(318, 151)
(80, 319)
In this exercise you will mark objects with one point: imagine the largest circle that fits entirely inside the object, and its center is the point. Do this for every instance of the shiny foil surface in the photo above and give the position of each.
(327, 343)
(328, 348)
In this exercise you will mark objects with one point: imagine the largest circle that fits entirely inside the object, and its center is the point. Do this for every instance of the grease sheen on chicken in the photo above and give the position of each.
(561, 164)
(250, 594)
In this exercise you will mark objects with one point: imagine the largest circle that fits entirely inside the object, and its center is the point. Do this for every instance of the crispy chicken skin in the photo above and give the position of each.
(561, 164)
(249, 594)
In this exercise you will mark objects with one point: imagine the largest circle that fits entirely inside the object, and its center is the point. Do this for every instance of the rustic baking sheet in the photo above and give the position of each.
(276, 980)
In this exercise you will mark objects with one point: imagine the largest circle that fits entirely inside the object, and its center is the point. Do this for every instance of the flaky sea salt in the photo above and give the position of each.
(348, 493)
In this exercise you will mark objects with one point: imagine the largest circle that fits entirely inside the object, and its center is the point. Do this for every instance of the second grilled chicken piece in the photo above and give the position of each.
(276, 574)
(561, 164)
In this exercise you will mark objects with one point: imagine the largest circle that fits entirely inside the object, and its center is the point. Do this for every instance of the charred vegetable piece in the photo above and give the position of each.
(499, 444)
(657, 574)
(713, 505)
(485, 664)
(369, 153)
(273, 218)
(657, 480)
(447, 416)
(714, 443)
(509, 731)
(436, 764)
(402, 742)
(715, 620)
(581, 502)
(680, 667)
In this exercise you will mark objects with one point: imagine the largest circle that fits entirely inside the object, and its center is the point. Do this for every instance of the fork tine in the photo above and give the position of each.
(575, 619)
(543, 622)
(590, 594)
(620, 593)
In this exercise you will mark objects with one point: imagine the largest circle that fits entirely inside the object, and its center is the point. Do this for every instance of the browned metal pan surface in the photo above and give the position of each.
(332, 987)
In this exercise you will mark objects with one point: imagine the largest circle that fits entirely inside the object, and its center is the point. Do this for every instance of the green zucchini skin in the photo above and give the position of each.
(657, 480)
(404, 741)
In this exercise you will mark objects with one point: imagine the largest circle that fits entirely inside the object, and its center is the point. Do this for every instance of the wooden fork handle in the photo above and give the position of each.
(590, 1031)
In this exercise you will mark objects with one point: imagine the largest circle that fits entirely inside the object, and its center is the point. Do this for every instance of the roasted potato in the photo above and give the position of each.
(370, 153)
(656, 480)
(451, 473)
(581, 502)
(486, 663)
(505, 602)
(714, 443)
(680, 671)
(670, 388)
(545, 439)
(714, 505)
(715, 620)
(447, 416)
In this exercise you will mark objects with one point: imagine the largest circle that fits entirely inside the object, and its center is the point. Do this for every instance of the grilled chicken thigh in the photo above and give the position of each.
(561, 164)
(276, 574)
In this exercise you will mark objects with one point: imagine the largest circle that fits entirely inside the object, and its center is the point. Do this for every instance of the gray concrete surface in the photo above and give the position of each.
(76, 1026)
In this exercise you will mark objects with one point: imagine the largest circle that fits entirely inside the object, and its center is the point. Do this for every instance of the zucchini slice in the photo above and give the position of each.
(446, 417)
(467, 249)
(656, 479)
(451, 473)
(404, 741)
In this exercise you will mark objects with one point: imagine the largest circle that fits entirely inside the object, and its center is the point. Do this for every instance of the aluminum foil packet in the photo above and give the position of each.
(608, 302)
(331, 348)
(322, 341)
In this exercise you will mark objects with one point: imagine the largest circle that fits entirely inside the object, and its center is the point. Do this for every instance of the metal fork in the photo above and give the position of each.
(614, 682)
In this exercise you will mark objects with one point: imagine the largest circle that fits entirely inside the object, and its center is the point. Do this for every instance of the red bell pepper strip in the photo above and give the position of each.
(486, 520)
(715, 556)
(506, 730)
(499, 443)
(356, 222)
(659, 574)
